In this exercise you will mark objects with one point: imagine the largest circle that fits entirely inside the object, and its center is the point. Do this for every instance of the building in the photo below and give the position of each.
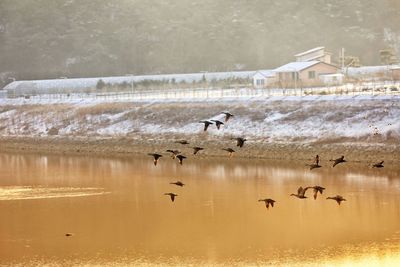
(302, 74)
(263, 78)
(317, 53)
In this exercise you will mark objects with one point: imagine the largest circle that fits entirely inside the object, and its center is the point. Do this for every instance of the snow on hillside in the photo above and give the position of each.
(274, 119)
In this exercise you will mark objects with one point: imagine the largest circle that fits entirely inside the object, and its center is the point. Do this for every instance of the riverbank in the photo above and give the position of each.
(141, 145)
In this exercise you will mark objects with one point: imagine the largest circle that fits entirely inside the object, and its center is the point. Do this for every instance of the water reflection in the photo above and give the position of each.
(215, 220)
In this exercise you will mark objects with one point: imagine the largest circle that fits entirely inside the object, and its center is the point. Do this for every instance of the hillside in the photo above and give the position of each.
(104, 38)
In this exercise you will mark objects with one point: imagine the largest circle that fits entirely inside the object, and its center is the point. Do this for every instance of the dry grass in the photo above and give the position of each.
(104, 108)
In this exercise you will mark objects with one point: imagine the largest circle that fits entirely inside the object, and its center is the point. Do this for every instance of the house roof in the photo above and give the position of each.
(296, 66)
(265, 73)
(310, 51)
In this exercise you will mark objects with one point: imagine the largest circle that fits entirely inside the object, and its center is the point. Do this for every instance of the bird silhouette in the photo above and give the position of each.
(174, 153)
(218, 123)
(181, 158)
(313, 166)
(337, 198)
(229, 150)
(337, 161)
(69, 234)
(197, 149)
(301, 192)
(182, 142)
(156, 157)
(268, 202)
(172, 196)
(206, 124)
(317, 189)
(239, 141)
(227, 115)
(178, 183)
(378, 165)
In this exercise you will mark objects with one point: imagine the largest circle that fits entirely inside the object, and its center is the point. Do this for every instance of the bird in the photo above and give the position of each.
(317, 189)
(300, 192)
(197, 149)
(218, 123)
(69, 234)
(206, 124)
(178, 183)
(181, 158)
(156, 157)
(227, 115)
(172, 195)
(268, 202)
(229, 150)
(239, 141)
(316, 160)
(313, 166)
(182, 142)
(378, 165)
(337, 198)
(174, 153)
(337, 161)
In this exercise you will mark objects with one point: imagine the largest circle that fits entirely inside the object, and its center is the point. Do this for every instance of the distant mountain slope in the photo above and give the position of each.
(49, 39)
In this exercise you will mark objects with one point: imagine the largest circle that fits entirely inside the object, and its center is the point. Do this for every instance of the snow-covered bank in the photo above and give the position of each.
(363, 120)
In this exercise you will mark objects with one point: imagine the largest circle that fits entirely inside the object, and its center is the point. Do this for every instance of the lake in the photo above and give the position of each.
(59, 210)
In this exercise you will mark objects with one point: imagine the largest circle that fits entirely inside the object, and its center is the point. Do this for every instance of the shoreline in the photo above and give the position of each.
(141, 145)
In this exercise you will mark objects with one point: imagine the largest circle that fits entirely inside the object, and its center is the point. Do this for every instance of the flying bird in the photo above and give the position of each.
(301, 192)
(337, 161)
(197, 149)
(172, 195)
(181, 158)
(268, 202)
(206, 124)
(378, 165)
(313, 166)
(317, 189)
(178, 183)
(227, 115)
(239, 141)
(218, 123)
(229, 150)
(174, 153)
(156, 157)
(337, 198)
(182, 142)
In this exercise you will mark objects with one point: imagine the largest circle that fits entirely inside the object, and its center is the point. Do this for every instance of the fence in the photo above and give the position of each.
(375, 88)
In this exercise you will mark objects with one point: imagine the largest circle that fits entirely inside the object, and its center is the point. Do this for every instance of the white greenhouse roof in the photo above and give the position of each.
(296, 66)
(266, 73)
(79, 83)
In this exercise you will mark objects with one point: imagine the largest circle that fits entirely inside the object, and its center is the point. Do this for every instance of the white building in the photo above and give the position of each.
(317, 53)
(263, 78)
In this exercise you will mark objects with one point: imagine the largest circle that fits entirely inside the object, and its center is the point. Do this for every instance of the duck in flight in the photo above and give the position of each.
(240, 141)
(338, 160)
(172, 196)
(301, 192)
(268, 202)
(206, 124)
(174, 153)
(378, 165)
(197, 149)
(182, 142)
(178, 183)
(228, 115)
(156, 157)
(230, 151)
(317, 189)
(180, 158)
(337, 198)
(218, 123)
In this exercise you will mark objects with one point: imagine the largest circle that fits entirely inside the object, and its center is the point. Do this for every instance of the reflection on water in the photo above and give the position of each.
(123, 218)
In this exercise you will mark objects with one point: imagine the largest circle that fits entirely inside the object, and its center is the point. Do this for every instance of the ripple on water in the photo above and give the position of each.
(39, 192)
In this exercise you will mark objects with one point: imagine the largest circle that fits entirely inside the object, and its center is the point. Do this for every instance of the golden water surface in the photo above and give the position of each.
(116, 213)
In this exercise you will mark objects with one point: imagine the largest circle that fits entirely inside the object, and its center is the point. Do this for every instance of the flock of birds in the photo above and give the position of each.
(240, 141)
